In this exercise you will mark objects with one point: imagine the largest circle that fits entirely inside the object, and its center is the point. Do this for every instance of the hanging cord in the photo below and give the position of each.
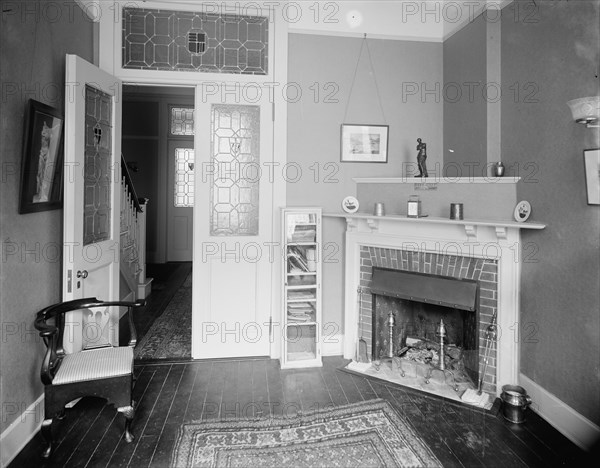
(362, 44)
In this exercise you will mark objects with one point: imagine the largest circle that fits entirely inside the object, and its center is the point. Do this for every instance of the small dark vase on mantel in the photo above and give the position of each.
(498, 169)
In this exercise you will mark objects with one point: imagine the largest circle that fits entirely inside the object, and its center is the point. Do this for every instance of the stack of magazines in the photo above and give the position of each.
(299, 312)
(304, 233)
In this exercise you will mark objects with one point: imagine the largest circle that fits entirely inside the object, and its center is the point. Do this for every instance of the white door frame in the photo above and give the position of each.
(110, 44)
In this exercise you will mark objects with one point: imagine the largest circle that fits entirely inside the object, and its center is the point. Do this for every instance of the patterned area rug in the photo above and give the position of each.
(170, 336)
(364, 434)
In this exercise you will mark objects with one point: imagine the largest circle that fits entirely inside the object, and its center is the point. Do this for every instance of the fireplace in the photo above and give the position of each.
(485, 251)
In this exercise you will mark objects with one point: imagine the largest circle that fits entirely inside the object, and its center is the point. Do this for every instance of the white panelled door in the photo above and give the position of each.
(91, 200)
(233, 224)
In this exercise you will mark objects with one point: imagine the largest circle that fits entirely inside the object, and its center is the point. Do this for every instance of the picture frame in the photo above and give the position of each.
(364, 143)
(591, 159)
(42, 160)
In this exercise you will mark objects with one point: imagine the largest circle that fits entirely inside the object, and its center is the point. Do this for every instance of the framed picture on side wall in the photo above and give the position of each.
(42, 163)
(364, 143)
(592, 175)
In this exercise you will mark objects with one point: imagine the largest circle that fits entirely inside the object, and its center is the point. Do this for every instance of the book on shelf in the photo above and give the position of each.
(296, 261)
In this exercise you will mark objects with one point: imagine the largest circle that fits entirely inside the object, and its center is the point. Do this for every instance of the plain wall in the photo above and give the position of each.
(33, 48)
(322, 68)
(556, 54)
(465, 106)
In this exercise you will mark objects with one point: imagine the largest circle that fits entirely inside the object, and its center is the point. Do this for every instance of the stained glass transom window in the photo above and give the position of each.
(182, 120)
(235, 155)
(98, 156)
(184, 177)
(160, 40)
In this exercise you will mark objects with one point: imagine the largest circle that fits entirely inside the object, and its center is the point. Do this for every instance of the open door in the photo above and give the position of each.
(91, 200)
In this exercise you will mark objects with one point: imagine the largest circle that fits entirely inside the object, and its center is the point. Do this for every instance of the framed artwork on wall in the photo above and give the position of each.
(592, 175)
(364, 143)
(42, 162)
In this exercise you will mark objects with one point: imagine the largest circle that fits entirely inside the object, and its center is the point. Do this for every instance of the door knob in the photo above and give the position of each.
(83, 274)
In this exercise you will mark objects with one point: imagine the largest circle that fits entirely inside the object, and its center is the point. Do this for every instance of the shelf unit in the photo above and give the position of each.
(302, 288)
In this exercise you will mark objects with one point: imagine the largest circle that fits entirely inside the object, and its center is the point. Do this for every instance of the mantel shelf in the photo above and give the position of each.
(436, 180)
(369, 218)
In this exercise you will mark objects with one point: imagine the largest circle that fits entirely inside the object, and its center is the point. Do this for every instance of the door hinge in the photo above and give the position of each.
(270, 328)
(69, 281)
(273, 112)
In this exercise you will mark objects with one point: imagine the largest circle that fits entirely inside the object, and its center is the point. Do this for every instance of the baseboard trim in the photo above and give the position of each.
(16, 436)
(577, 428)
(332, 344)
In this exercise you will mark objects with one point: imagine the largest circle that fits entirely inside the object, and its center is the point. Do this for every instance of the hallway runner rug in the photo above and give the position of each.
(365, 434)
(170, 336)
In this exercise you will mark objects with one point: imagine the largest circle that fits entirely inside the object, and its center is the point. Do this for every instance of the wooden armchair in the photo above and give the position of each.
(105, 372)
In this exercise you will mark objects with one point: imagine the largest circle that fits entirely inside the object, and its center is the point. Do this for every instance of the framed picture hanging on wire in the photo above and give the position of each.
(364, 143)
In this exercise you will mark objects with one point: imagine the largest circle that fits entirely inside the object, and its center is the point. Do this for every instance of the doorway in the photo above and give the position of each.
(157, 121)
(158, 148)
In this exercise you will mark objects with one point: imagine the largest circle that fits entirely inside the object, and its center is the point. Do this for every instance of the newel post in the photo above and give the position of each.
(143, 282)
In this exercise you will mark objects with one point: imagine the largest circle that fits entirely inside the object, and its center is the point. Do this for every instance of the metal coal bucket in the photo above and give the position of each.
(514, 403)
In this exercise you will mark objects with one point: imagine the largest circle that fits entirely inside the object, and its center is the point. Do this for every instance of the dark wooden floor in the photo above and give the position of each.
(167, 279)
(169, 394)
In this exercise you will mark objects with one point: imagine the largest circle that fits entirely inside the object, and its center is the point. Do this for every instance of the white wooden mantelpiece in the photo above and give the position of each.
(476, 238)
(469, 226)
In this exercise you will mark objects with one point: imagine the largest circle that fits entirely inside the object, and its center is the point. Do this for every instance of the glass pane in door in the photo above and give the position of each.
(97, 166)
(235, 157)
(184, 177)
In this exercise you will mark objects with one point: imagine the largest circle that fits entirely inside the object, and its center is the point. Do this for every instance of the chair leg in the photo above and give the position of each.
(128, 412)
(47, 435)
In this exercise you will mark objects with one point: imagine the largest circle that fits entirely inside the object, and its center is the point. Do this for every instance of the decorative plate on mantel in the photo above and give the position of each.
(350, 204)
(522, 211)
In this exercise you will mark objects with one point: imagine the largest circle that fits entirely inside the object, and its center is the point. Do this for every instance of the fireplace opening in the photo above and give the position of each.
(426, 323)
(416, 335)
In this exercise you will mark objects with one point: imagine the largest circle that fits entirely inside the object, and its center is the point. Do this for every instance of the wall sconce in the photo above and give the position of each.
(191, 166)
(586, 110)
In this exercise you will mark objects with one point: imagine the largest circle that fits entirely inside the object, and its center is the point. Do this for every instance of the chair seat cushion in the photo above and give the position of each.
(94, 364)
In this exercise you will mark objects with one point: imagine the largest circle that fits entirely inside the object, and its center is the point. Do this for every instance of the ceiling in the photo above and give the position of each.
(414, 20)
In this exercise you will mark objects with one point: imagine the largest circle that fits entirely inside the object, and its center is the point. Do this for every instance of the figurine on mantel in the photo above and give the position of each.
(421, 158)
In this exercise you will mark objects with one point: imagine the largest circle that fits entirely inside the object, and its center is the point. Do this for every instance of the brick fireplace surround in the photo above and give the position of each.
(483, 270)
(487, 251)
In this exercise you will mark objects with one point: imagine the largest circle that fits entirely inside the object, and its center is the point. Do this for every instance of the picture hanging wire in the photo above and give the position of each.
(362, 45)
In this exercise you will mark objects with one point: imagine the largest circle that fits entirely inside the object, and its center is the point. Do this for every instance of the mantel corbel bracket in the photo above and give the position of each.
(373, 224)
(501, 232)
(471, 231)
(351, 224)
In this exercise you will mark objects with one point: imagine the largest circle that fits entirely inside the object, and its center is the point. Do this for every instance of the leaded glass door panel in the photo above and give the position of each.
(233, 225)
(180, 201)
(91, 200)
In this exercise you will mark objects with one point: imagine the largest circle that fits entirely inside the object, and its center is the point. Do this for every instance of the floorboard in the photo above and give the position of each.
(172, 393)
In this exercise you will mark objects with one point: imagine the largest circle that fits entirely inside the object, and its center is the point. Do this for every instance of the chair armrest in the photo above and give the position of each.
(132, 331)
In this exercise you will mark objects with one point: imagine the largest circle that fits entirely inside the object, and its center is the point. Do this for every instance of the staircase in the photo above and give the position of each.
(133, 240)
